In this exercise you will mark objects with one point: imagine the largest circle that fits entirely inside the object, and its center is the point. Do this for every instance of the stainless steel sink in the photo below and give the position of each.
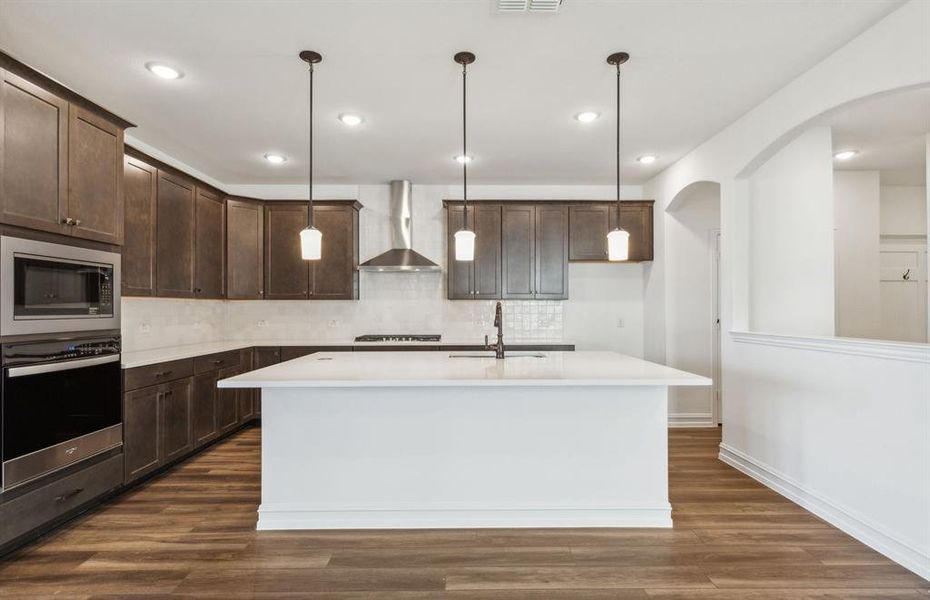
(508, 355)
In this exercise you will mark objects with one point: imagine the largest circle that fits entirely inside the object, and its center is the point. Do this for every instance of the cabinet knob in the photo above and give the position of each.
(68, 221)
(77, 222)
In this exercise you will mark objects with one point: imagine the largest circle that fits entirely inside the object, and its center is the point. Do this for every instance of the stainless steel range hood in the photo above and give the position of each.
(401, 258)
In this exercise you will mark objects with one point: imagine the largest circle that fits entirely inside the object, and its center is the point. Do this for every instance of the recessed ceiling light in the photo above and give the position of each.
(587, 116)
(275, 159)
(350, 120)
(845, 154)
(647, 159)
(163, 71)
(463, 159)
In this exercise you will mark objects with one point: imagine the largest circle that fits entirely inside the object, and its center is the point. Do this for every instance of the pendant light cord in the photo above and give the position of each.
(464, 150)
(310, 145)
(618, 145)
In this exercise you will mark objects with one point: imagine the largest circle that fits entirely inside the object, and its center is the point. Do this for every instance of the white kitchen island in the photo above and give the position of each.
(442, 439)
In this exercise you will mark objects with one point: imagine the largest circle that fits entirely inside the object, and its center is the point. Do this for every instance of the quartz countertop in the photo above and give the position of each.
(141, 358)
(449, 369)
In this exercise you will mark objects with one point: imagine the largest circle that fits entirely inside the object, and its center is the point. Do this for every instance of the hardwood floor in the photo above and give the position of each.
(190, 533)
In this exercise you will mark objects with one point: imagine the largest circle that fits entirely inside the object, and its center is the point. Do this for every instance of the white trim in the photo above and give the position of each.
(691, 420)
(859, 527)
(290, 516)
(904, 351)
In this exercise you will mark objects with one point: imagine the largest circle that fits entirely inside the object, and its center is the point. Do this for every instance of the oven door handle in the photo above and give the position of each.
(61, 366)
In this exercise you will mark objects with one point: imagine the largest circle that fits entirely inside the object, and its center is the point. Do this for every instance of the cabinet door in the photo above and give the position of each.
(138, 256)
(638, 221)
(246, 406)
(95, 177)
(33, 155)
(335, 275)
(203, 412)
(141, 428)
(588, 228)
(174, 256)
(487, 265)
(227, 402)
(519, 251)
(287, 275)
(209, 244)
(245, 248)
(459, 274)
(551, 252)
(176, 439)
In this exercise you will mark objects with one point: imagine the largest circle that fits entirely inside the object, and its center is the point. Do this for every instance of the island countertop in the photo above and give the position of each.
(449, 369)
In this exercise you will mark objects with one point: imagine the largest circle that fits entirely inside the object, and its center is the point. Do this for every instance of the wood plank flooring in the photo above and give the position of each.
(190, 533)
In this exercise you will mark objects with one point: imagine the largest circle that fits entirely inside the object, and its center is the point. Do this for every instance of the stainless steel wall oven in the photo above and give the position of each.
(60, 403)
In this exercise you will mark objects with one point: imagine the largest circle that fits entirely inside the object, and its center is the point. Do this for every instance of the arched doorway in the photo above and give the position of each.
(692, 232)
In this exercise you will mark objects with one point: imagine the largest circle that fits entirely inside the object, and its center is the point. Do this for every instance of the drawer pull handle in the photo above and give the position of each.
(68, 495)
(163, 373)
(218, 361)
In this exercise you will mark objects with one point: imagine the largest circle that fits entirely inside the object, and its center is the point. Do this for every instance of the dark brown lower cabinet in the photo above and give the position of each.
(204, 408)
(246, 406)
(176, 419)
(227, 403)
(140, 431)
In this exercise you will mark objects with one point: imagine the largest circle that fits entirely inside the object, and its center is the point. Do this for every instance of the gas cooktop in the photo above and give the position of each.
(403, 337)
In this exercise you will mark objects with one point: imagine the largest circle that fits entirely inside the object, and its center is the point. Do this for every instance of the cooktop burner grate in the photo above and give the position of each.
(403, 337)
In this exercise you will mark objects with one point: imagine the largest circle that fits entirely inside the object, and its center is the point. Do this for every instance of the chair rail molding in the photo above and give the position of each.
(902, 351)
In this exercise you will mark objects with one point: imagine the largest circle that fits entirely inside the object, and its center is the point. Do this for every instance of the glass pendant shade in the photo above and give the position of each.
(618, 245)
(311, 244)
(464, 245)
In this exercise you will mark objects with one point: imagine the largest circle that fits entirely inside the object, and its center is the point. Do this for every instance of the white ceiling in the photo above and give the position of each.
(889, 133)
(696, 66)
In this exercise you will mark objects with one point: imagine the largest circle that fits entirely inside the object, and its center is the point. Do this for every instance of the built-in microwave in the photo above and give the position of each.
(53, 288)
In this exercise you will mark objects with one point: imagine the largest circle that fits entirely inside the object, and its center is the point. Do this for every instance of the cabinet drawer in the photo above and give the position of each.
(140, 377)
(212, 362)
(38, 507)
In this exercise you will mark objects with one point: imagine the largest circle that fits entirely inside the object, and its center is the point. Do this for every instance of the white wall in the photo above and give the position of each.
(601, 295)
(903, 209)
(690, 228)
(856, 239)
(813, 406)
(791, 238)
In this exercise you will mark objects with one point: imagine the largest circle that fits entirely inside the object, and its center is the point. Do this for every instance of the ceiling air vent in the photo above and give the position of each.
(521, 6)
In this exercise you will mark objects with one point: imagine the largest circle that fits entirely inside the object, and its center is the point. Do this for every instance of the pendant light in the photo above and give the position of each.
(464, 237)
(618, 240)
(311, 239)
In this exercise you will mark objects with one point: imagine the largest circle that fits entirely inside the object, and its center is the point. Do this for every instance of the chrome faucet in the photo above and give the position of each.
(499, 323)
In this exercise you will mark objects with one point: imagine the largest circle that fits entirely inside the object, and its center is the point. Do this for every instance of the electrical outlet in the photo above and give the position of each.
(333, 323)
(261, 323)
(620, 323)
(145, 328)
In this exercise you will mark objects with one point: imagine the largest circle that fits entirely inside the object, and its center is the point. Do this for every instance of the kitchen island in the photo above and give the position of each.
(445, 439)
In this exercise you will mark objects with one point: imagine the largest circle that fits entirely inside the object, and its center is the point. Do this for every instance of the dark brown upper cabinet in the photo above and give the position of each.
(95, 178)
(551, 241)
(138, 257)
(245, 248)
(590, 223)
(33, 155)
(174, 255)
(287, 275)
(61, 165)
(335, 275)
(535, 251)
(481, 278)
(518, 226)
(209, 244)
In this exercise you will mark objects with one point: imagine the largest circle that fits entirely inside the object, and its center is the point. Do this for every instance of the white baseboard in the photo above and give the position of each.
(691, 420)
(858, 527)
(294, 517)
